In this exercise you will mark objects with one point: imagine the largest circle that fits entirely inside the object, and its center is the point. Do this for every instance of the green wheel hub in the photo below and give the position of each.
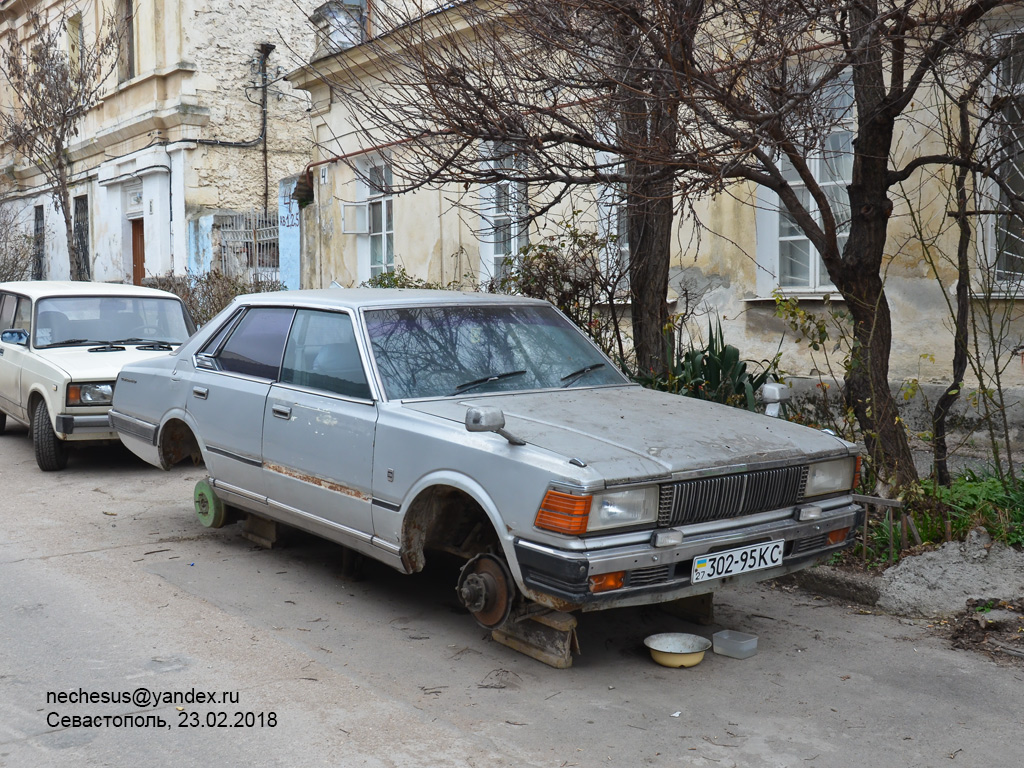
(209, 508)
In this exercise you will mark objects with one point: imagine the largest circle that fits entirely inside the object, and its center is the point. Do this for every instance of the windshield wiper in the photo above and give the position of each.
(570, 378)
(106, 346)
(152, 343)
(485, 380)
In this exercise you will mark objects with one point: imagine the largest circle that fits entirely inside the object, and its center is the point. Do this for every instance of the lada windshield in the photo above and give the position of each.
(449, 351)
(72, 320)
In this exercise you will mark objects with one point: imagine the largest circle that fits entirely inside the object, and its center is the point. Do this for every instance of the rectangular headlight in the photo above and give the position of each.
(830, 477)
(616, 509)
(90, 394)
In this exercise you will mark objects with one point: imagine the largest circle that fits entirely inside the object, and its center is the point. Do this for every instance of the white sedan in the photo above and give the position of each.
(62, 345)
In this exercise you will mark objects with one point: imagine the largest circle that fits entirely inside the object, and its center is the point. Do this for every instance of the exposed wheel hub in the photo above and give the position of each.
(487, 590)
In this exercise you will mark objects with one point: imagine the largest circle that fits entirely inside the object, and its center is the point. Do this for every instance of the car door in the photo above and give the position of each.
(14, 314)
(319, 424)
(229, 388)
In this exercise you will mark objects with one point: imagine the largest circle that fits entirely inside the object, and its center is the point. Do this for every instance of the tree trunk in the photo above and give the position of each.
(649, 217)
(62, 197)
(859, 278)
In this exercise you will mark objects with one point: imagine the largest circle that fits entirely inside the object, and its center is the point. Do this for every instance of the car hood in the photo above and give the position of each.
(631, 433)
(79, 364)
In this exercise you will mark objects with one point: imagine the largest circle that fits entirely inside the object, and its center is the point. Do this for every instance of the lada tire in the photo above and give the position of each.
(3, 423)
(51, 451)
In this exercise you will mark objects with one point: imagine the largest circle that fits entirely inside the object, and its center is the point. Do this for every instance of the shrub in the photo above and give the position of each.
(207, 293)
(714, 372)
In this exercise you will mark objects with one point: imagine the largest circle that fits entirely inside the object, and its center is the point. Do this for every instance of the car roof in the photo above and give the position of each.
(39, 289)
(363, 298)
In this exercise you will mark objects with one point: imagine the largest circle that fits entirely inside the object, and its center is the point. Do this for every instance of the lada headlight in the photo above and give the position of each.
(830, 477)
(90, 394)
(573, 515)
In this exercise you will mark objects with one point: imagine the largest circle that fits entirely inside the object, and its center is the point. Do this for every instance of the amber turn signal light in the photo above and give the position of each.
(605, 582)
(563, 513)
(838, 536)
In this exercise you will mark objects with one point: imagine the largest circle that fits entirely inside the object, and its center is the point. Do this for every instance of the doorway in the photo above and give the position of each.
(138, 251)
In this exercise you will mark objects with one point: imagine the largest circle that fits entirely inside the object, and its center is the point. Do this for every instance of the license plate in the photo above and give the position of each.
(734, 561)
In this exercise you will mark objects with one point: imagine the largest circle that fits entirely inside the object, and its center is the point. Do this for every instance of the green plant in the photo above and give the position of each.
(400, 278)
(714, 372)
(207, 293)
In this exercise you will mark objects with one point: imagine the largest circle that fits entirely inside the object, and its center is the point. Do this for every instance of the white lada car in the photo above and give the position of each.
(401, 422)
(61, 347)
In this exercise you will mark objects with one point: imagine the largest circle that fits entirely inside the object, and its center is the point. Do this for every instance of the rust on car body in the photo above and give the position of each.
(318, 481)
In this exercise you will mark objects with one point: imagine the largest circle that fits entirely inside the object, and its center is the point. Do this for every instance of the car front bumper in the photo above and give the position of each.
(561, 578)
(94, 426)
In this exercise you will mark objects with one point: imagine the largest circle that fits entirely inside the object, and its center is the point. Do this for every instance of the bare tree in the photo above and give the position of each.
(676, 100)
(55, 75)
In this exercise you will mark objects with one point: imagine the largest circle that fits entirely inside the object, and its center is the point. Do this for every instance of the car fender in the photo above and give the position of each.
(473, 489)
(48, 396)
(178, 413)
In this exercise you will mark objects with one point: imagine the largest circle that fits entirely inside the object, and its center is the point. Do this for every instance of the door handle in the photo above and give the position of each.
(200, 392)
(281, 411)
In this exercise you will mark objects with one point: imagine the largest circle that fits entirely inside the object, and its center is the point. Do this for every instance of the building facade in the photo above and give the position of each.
(177, 166)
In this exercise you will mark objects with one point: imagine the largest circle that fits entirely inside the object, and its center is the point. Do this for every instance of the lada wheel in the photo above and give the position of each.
(3, 423)
(487, 590)
(209, 508)
(51, 451)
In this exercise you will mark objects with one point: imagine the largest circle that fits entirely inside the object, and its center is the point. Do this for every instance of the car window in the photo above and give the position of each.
(451, 350)
(22, 314)
(69, 320)
(257, 343)
(7, 304)
(322, 354)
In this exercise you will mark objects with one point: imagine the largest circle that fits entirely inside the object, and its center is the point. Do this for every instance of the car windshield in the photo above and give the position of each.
(453, 350)
(70, 320)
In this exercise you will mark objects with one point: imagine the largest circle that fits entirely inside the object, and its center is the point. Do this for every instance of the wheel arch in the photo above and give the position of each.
(454, 514)
(178, 440)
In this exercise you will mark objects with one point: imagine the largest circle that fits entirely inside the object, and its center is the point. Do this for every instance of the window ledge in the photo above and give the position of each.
(999, 294)
(833, 296)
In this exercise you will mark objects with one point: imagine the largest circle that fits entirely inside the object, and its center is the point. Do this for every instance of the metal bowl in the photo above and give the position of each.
(677, 649)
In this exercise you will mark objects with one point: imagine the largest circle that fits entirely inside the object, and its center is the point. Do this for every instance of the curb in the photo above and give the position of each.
(860, 588)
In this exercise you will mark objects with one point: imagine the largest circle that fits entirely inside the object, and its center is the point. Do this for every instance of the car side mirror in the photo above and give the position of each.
(17, 336)
(774, 395)
(488, 419)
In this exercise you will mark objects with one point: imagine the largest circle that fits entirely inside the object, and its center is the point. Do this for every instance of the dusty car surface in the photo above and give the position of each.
(402, 422)
(61, 347)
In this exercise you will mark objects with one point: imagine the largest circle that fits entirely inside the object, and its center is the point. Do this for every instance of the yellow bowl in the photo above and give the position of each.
(677, 649)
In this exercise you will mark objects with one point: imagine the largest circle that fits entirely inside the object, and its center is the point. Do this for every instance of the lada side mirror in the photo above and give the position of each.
(487, 419)
(774, 395)
(15, 336)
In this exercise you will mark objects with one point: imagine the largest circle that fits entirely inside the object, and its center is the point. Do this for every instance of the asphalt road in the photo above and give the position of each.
(108, 584)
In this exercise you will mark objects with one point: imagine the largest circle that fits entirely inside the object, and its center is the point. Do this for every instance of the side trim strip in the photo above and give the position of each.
(228, 454)
(132, 426)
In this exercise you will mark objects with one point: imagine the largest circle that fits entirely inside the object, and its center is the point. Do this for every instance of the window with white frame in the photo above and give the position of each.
(505, 209)
(789, 259)
(1008, 240)
(381, 218)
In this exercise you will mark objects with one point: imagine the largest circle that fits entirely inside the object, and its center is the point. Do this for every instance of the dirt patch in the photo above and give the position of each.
(939, 583)
(990, 626)
(969, 591)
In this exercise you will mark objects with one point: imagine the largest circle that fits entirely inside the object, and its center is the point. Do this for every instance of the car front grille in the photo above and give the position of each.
(810, 544)
(727, 496)
(657, 574)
